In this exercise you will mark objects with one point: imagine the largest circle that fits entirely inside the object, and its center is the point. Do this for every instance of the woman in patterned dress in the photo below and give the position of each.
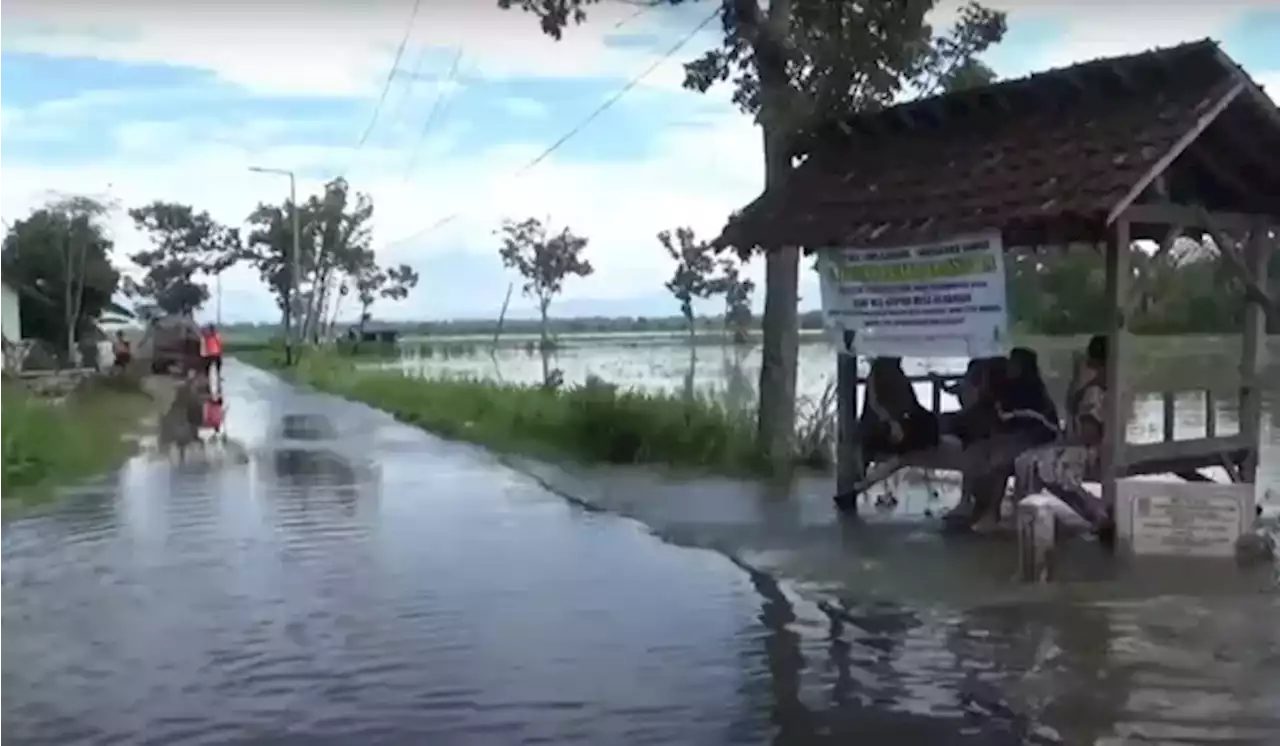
(1063, 467)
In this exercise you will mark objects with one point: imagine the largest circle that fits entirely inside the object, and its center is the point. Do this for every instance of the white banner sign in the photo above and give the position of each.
(944, 299)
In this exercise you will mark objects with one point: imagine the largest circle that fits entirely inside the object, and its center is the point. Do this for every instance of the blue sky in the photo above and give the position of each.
(144, 102)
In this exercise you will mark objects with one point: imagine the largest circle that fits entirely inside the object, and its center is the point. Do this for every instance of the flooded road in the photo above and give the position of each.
(356, 581)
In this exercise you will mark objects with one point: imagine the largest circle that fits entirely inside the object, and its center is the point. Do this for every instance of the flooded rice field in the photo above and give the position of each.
(354, 580)
(1187, 367)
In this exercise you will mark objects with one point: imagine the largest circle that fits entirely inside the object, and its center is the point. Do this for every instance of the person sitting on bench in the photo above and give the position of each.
(894, 422)
(1025, 418)
(1061, 468)
(976, 391)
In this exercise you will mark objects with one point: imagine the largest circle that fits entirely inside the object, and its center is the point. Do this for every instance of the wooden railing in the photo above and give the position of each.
(1169, 402)
(1169, 405)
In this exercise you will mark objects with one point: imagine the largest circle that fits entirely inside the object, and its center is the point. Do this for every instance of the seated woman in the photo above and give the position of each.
(970, 386)
(974, 422)
(1062, 467)
(893, 424)
(977, 417)
(1025, 418)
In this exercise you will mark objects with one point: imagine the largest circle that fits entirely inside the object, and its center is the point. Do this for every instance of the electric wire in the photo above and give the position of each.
(435, 111)
(386, 87)
(604, 106)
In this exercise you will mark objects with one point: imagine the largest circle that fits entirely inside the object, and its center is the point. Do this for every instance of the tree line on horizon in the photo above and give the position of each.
(61, 259)
(1049, 293)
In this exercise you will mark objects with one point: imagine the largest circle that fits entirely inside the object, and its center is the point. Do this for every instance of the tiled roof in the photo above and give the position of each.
(1042, 158)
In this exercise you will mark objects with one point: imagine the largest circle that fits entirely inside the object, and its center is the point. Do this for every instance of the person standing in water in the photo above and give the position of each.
(211, 355)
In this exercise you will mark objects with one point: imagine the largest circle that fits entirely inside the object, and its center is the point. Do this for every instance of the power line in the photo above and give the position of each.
(412, 75)
(431, 116)
(580, 126)
(639, 12)
(386, 86)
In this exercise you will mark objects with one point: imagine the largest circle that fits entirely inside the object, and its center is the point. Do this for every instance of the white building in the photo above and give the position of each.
(12, 315)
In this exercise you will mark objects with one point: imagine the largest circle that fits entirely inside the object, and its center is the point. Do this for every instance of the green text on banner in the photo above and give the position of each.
(943, 299)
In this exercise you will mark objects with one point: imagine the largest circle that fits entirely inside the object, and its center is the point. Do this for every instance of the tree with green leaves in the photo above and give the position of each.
(187, 246)
(336, 233)
(737, 292)
(545, 259)
(794, 64)
(58, 259)
(692, 279)
(372, 282)
(342, 237)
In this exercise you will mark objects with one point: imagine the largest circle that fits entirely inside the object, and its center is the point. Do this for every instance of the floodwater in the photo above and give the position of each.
(1186, 367)
(356, 581)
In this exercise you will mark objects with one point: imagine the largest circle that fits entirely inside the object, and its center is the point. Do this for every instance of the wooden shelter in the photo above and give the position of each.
(1151, 146)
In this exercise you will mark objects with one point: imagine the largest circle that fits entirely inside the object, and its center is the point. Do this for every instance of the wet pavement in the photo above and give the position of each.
(356, 581)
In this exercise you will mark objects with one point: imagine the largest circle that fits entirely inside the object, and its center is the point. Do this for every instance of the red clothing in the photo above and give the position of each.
(212, 345)
(213, 415)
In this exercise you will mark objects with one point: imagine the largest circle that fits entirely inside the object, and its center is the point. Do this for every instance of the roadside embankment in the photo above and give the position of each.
(594, 422)
(54, 442)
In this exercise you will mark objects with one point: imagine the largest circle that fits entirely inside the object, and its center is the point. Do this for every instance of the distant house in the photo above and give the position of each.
(12, 315)
(375, 332)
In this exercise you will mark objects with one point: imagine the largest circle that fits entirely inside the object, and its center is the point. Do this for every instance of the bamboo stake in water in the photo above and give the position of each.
(502, 316)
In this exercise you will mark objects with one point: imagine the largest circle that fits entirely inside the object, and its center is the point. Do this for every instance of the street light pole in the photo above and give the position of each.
(296, 272)
(295, 262)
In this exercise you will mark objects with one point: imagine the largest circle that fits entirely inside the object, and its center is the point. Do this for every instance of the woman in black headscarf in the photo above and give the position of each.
(1024, 417)
(894, 422)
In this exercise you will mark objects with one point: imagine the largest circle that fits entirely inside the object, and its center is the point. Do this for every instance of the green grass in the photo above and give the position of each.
(49, 444)
(593, 423)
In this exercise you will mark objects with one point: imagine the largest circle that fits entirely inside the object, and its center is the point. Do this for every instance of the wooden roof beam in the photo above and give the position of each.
(1163, 163)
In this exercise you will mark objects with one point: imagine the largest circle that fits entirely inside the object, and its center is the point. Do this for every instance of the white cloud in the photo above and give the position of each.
(696, 177)
(332, 48)
(696, 174)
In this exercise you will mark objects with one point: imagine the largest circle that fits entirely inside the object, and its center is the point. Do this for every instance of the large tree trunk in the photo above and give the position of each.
(777, 119)
(781, 339)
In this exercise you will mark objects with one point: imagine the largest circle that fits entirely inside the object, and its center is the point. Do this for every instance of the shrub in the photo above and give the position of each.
(595, 422)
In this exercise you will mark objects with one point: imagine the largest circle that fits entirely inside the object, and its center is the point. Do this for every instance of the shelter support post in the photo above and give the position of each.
(1253, 350)
(848, 448)
(1119, 278)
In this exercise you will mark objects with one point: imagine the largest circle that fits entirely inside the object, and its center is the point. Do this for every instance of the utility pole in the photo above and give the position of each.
(295, 262)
